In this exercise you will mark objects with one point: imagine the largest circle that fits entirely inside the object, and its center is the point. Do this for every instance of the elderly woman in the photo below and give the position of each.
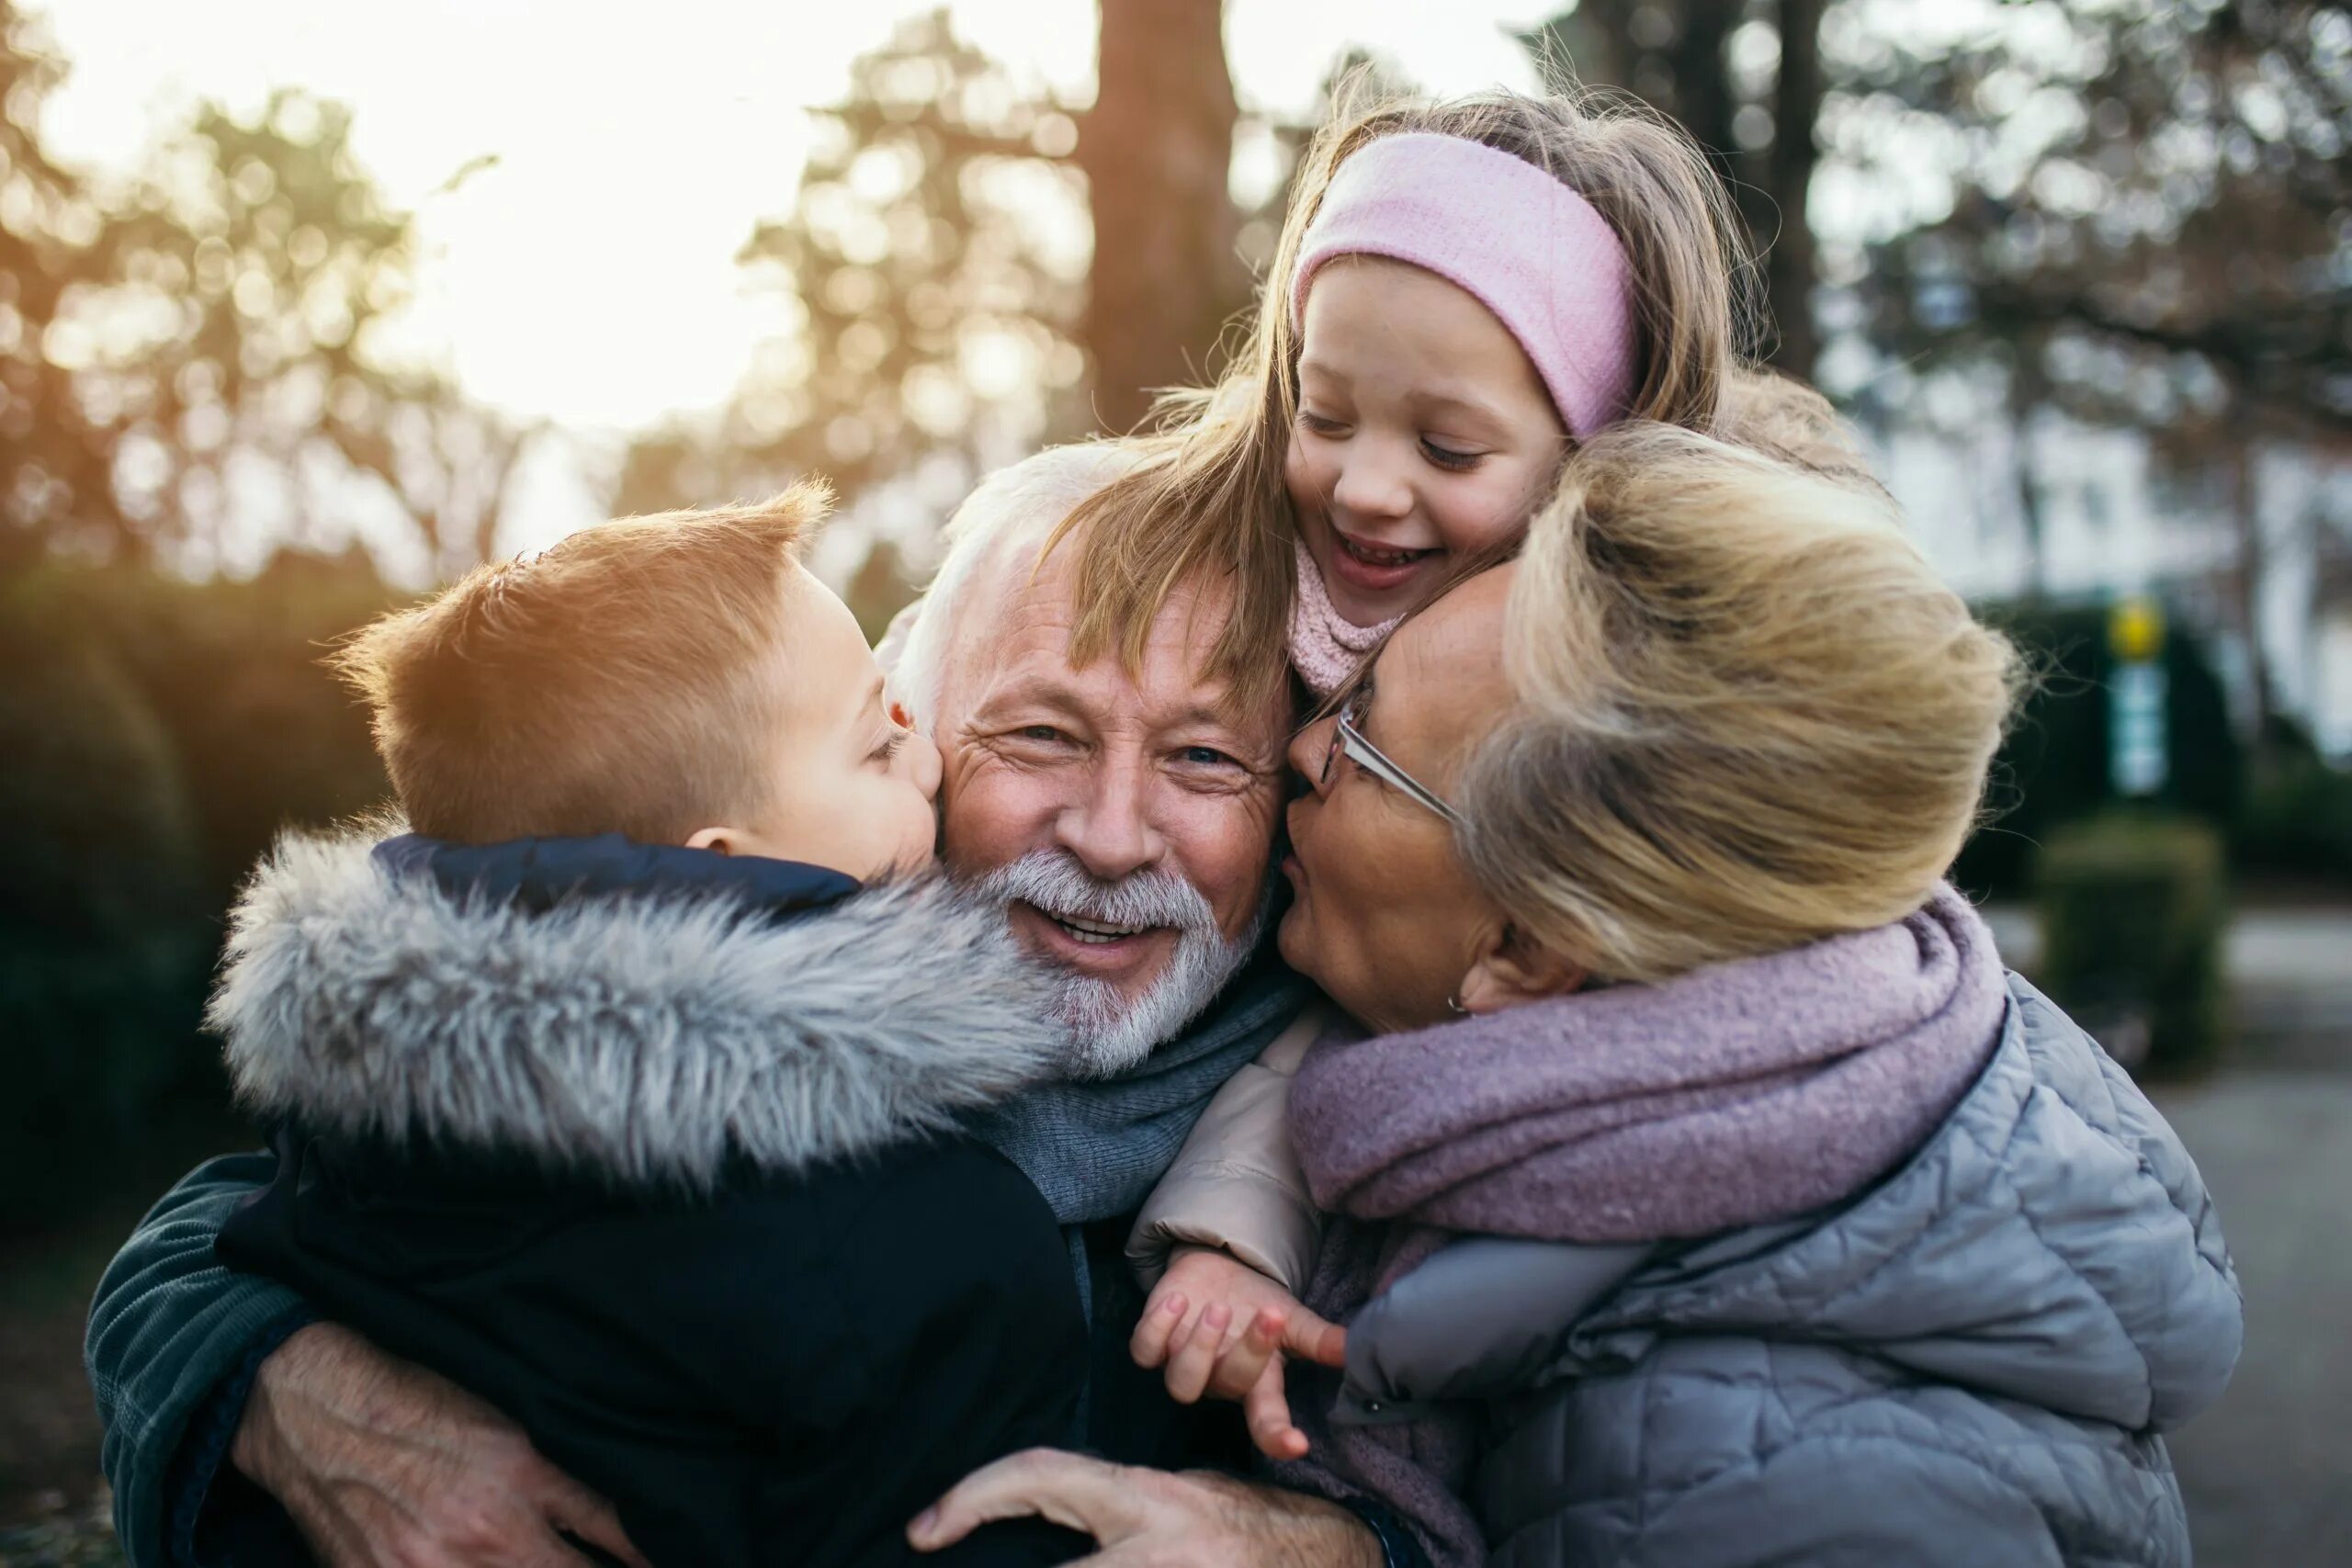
(1704, 1193)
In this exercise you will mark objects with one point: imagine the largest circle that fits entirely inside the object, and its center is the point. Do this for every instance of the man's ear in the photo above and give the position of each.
(1508, 969)
(726, 841)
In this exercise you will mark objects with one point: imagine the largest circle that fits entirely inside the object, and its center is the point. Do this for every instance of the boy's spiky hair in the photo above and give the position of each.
(612, 683)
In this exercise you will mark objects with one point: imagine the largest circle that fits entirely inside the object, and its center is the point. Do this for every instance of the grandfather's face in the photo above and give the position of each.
(1128, 820)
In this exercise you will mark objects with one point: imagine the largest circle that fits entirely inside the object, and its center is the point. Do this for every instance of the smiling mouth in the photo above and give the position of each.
(1093, 934)
(1374, 555)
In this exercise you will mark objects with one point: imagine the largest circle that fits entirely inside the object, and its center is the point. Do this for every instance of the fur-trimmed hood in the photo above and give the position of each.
(643, 1038)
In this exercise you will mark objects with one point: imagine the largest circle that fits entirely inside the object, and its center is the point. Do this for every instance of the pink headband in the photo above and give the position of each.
(1533, 250)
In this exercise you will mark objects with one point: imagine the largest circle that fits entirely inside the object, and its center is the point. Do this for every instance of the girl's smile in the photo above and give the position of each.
(1374, 568)
(1423, 430)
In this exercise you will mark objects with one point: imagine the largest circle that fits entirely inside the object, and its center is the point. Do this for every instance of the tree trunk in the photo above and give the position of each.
(1788, 178)
(1156, 148)
(1702, 95)
(2253, 563)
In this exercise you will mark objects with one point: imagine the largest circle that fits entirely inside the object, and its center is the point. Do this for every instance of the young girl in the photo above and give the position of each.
(1463, 292)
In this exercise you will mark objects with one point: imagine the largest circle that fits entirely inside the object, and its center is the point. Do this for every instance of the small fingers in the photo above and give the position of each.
(1239, 1369)
(1161, 1319)
(1266, 1408)
(1314, 1339)
(1195, 1358)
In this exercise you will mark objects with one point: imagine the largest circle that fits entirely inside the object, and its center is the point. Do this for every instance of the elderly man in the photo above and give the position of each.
(1126, 817)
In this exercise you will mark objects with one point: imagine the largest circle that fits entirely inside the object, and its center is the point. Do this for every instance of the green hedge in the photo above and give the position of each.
(2053, 770)
(2297, 817)
(102, 950)
(156, 735)
(2134, 907)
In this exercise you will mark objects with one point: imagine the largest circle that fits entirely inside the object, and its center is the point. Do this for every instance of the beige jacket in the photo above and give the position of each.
(1236, 1184)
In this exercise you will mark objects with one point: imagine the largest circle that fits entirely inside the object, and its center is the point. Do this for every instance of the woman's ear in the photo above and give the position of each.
(1508, 970)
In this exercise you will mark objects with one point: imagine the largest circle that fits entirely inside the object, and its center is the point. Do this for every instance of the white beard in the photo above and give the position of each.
(1110, 1032)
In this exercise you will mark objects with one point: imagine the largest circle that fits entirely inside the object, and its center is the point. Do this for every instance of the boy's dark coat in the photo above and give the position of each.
(692, 1211)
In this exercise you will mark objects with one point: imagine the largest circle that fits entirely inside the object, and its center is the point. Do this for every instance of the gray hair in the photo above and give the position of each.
(1020, 505)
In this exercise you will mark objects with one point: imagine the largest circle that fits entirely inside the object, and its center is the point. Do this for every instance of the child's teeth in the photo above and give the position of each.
(1379, 557)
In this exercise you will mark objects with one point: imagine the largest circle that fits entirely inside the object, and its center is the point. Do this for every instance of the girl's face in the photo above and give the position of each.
(1423, 431)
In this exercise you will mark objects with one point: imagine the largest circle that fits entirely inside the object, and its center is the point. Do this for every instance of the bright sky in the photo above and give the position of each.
(588, 276)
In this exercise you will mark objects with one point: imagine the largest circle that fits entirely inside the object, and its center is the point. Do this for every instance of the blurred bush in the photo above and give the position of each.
(156, 733)
(2297, 817)
(101, 951)
(2053, 770)
(2133, 904)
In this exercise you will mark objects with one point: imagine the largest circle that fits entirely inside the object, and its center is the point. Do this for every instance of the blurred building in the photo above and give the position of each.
(2111, 520)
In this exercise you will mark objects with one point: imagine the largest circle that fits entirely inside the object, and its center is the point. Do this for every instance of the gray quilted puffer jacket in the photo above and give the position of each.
(1968, 1366)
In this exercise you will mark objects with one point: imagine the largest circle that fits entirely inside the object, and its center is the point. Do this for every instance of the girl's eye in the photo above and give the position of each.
(1447, 457)
(889, 750)
(1206, 756)
(1318, 424)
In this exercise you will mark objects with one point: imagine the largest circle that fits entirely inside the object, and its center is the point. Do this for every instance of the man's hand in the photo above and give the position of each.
(1152, 1518)
(384, 1465)
(1222, 1328)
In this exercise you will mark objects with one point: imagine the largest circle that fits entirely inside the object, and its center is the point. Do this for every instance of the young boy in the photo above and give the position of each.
(620, 1090)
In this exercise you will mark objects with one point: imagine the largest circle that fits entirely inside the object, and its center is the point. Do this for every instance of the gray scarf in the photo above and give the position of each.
(1096, 1148)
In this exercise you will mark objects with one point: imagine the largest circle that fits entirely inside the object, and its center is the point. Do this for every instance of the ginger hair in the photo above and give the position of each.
(1209, 498)
(613, 683)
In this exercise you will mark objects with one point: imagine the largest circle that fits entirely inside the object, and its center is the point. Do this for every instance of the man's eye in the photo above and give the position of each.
(1206, 756)
(1042, 734)
(1448, 458)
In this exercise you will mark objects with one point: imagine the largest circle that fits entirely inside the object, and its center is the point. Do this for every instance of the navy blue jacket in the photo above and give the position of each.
(654, 1150)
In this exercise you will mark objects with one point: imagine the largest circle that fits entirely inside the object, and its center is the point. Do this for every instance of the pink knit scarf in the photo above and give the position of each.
(1733, 1096)
(1325, 646)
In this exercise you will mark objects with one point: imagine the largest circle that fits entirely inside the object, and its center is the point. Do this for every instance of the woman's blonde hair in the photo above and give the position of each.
(1210, 497)
(1749, 713)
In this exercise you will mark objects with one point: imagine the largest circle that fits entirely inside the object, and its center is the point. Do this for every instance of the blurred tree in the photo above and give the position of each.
(197, 361)
(2146, 219)
(232, 336)
(1158, 151)
(55, 484)
(1745, 78)
(932, 271)
(972, 266)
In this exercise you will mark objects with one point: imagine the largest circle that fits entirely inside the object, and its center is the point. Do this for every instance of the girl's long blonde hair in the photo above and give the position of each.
(1209, 497)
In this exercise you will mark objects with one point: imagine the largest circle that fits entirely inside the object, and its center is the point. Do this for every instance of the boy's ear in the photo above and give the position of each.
(1508, 969)
(726, 841)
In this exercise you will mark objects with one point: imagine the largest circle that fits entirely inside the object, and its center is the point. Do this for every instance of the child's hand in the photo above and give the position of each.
(1222, 1328)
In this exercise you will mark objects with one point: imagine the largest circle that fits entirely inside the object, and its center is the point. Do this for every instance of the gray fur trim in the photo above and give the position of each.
(640, 1039)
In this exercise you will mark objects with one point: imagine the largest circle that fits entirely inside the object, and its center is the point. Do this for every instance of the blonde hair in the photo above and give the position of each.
(1210, 497)
(1748, 715)
(609, 686)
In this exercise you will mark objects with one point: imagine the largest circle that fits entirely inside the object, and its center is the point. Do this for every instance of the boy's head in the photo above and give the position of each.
(681, 678)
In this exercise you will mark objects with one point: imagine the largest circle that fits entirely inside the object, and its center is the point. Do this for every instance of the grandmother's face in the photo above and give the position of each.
(1127, 819)
(1386, 919)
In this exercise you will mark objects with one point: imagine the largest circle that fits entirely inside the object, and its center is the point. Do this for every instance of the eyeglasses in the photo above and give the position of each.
(1347, 736)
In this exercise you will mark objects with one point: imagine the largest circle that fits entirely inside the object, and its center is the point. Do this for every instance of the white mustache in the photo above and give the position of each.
(1053, 882)
(1110, 1032)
